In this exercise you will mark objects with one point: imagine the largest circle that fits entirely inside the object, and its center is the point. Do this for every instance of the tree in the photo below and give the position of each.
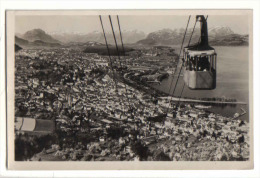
(22, 110)
(140, 150)
(241, 139)
(161, 156)
(27, 146)
(115, 132)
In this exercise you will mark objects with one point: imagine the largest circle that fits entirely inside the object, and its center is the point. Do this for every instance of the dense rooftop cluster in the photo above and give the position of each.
(100, 115)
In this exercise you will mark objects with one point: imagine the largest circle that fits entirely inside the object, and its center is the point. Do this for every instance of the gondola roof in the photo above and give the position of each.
(202, 45)
(199, 47)
(199, 50)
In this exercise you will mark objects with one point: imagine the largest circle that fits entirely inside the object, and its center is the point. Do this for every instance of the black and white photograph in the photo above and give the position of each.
(116, 86)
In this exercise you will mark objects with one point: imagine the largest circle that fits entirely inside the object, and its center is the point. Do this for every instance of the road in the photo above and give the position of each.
(119, 77)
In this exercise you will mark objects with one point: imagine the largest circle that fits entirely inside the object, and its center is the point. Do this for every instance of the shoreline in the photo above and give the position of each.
(182, 99)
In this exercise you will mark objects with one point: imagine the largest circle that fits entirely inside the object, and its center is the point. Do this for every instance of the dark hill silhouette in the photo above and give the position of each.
(37, 43)
(17, 48)
(39, 34)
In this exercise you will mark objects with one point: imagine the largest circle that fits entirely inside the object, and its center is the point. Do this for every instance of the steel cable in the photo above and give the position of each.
(108, 51)
(118, 54)
(177, 66)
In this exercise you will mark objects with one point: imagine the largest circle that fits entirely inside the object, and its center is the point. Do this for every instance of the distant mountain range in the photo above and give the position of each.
(39, 35)
(128, 37)
(37, 43)
(35, 38)
(221, 36)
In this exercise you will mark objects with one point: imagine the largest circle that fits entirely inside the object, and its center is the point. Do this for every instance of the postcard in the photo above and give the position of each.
(129, 89)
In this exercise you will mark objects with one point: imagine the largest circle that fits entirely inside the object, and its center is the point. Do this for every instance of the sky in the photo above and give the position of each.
(147, 24)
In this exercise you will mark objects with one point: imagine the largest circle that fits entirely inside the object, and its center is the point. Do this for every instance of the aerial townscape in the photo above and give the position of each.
(76, 102)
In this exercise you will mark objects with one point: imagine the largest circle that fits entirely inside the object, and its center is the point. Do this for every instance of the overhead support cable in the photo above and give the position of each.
(121, 37)
(177, 66)
(183, 87)
(118, 53)
(108, 51)
(192, 32)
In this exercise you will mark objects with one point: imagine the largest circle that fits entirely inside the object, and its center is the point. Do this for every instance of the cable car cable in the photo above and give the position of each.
(179, 59)
(108, 51)
(177, 65)
(181, 94)
(188, 45)
(118, 54)
(192, 32)
(121, 37)
(111, 63)
(183, 87)
(123, 49)
(110, 60)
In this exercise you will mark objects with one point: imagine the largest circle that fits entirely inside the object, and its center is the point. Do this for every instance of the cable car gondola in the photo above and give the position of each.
(200, 62)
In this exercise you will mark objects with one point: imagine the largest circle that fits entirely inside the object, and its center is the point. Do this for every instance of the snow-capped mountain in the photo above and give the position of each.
(169, 36)
(220, 31)
(128, 36)
(217, 36)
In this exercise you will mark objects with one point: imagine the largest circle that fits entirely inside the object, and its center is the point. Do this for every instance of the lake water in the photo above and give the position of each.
(232, 80)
